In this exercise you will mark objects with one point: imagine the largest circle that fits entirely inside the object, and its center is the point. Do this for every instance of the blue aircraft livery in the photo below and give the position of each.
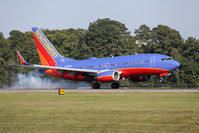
(137, 68)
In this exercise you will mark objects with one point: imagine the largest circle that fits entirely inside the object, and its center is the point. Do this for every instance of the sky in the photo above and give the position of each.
(181, 15)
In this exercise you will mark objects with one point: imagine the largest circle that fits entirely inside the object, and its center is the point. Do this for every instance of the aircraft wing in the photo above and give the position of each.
(59, 68)
(25, 64)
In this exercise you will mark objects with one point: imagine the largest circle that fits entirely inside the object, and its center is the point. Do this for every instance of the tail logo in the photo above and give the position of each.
(46, 44)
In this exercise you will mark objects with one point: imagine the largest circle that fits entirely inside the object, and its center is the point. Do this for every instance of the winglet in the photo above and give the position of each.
(21, 58)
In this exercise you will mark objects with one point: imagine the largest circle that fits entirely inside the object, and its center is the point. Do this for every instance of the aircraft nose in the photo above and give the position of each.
(176, 64)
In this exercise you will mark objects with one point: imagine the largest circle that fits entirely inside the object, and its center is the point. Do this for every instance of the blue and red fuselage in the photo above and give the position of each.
(130, 66)
(126, 66)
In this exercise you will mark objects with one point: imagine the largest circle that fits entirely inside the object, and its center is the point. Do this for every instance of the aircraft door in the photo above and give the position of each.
(152, 61)
(107, 66)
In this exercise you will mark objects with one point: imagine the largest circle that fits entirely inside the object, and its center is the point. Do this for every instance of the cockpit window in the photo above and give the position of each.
(165, 59)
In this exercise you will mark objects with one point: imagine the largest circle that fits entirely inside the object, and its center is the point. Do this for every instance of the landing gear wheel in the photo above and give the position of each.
(95, 85)
(115, 85)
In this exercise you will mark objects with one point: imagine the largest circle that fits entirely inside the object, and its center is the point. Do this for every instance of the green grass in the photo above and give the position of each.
(98, 112)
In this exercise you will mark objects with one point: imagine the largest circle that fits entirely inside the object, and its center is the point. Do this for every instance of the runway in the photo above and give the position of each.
(97, 90)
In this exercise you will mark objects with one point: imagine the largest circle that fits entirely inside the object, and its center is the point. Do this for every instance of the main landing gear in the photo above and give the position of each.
(95, 85)
(114, 85)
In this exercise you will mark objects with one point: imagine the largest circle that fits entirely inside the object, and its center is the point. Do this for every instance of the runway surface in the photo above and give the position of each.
(99, 90)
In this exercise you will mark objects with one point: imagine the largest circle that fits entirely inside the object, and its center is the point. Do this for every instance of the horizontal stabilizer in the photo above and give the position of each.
(21, 59)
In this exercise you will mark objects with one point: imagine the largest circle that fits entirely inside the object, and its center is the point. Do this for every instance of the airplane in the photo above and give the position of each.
(137, 68)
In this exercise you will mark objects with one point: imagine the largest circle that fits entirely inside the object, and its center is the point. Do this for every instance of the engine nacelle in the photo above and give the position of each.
(141, 78)
(108, 76)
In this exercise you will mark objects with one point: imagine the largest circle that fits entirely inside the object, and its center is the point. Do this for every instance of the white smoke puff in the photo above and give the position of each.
(33, 80)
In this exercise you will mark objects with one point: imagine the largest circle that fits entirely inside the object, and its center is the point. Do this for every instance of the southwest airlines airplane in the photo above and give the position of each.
(136, 68)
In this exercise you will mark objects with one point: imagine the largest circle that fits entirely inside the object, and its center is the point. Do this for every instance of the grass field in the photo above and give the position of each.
(99, 112)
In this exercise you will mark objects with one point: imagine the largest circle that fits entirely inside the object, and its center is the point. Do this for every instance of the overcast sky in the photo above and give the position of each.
(182, 15)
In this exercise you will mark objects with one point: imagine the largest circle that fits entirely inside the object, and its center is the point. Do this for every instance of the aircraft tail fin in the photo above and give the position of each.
(47, 53)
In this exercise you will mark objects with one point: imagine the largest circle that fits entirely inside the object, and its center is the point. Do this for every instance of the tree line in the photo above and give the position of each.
(105, 38)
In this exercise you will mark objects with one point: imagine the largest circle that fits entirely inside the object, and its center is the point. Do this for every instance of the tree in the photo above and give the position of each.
(4, 59)
(190, 62)
(143, 38)
(106, 37)
(67, 42)
(164, 39)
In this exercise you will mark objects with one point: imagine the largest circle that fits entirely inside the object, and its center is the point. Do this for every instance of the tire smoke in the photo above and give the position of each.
(35, 80)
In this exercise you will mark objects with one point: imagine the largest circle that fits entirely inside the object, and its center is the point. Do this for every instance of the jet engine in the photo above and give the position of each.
(108, 76)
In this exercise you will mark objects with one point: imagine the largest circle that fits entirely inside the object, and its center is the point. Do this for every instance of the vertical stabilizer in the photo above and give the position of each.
(47, 53)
